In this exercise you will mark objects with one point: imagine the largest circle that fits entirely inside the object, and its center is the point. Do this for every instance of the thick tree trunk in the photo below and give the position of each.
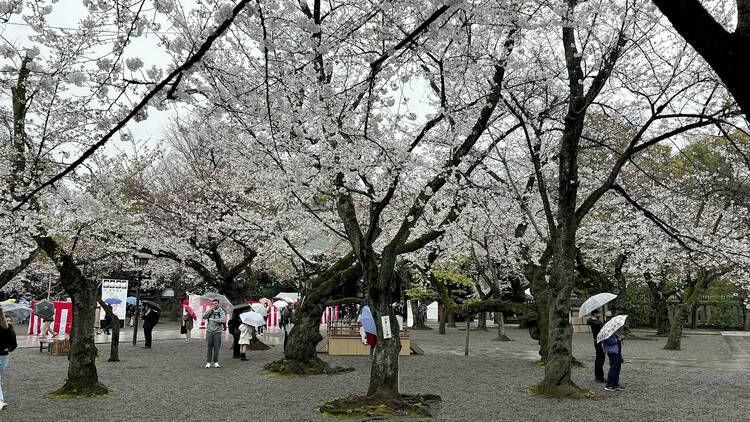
(674, 341)
(419, 322)
(696, 288)
(385, 361)
(721, 49)
(442, 316)
(661, 314)
(539, 290)
(482, 321)
(114, 350)
(305, 334)
(82, 375)
(451, 320)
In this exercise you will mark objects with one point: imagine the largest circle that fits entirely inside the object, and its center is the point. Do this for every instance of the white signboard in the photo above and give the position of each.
(385, 321)
(115, 293)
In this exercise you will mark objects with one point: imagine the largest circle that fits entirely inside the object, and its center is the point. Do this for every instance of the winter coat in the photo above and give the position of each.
(7, 340)
(246, 334)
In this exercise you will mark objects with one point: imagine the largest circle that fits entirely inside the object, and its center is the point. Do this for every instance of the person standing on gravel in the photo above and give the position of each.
(613, 347)
(596, 325)
(7, 345)
(214, 326)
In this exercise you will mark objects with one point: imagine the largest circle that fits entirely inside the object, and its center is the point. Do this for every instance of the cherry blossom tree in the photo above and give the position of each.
(79, 69)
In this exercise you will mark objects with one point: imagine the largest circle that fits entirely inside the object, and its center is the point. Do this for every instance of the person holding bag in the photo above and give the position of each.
(7, 345)
(187, 324)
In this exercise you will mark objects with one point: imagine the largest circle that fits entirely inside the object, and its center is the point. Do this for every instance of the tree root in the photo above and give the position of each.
(358, 407)
(422, 327)
(305, 368)
(564, 391)
(503, 338)
(69, 392)
(256, 344)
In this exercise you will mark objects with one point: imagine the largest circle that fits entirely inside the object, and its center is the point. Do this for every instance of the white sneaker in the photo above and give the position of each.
(3, 405)
(216, 365)
(208, 365)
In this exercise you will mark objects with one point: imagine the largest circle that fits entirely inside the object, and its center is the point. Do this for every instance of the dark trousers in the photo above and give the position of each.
(613, 378)
(236, 343)
(147, 327)
(599, 362)
(213, 341)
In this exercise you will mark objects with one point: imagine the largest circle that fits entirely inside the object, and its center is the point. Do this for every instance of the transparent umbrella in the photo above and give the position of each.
(260, 309)
(281, 304)
(208, 298)
(595, 302)
(14, 310)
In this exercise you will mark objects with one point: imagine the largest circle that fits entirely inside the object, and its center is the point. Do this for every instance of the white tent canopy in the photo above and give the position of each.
(288, 297)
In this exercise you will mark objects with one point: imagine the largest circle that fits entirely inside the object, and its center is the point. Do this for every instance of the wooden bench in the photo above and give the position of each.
(45, 342)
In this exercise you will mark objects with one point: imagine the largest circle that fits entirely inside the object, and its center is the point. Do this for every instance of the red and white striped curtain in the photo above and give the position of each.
(330, 314)
(63, 319)
(274, 316)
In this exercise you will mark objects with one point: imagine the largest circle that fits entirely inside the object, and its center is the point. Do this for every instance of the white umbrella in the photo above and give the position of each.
(15, 310)
(595, 302)
(281, 304)
(252, 318)
(259, 308)
(610, 327)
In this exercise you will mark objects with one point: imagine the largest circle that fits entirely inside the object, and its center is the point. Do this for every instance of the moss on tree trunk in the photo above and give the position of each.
(419, 322)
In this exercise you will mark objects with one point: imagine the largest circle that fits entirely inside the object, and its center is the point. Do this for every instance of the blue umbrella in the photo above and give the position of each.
(365, 317)
(114, 301)
(130, 300)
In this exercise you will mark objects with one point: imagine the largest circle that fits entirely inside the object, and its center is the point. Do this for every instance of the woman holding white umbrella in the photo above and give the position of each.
(246, 334)
(611, 342)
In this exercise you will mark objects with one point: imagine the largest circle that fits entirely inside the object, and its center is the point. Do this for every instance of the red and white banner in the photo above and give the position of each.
(63, 319)
(35, 323)
(331, 313)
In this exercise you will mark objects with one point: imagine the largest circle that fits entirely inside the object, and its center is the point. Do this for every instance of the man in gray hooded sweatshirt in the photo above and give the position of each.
(214, 326)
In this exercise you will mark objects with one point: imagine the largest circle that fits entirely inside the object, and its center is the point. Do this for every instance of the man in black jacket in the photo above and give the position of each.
(596, 325)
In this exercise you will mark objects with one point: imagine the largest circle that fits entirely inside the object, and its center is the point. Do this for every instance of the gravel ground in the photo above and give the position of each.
(169, 383)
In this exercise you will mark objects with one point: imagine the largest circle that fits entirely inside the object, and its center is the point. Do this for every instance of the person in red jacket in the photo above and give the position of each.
(7, 345)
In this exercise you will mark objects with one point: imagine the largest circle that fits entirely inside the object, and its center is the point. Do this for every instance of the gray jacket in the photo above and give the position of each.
(214, 320)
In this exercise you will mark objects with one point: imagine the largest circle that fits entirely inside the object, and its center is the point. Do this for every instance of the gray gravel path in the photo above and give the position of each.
(169, 383)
